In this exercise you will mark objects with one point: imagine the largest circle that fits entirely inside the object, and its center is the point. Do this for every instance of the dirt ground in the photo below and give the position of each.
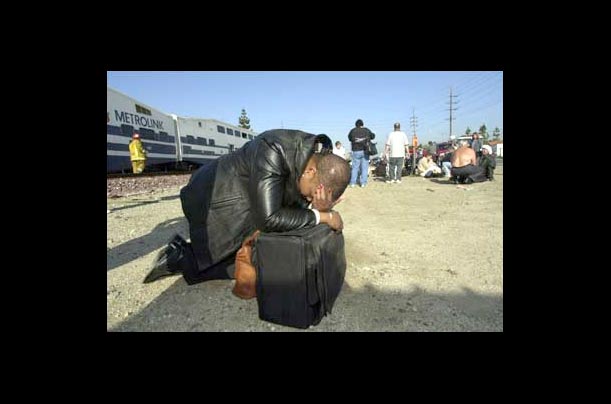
(423, 255)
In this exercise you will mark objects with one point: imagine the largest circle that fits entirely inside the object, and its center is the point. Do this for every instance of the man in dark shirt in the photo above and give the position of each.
(487, 162)
(360, 138)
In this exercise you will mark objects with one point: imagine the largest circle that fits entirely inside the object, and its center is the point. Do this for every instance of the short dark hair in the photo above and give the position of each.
(397, 125)
(359, 123)
(333, 173)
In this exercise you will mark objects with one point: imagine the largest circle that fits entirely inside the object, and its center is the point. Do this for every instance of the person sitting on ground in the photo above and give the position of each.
(446, 161)
(266, 185)
(464, 166)
(487, 162)
(339, 150)
(427, 167)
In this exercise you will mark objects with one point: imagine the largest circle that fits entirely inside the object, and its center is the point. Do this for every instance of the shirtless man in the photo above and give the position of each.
(464, 165)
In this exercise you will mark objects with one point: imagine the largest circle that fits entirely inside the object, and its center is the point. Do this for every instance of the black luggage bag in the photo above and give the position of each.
(299, 274)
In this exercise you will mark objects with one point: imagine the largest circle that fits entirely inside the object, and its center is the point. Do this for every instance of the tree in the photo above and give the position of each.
(468, 131)
(244, 120)
(483, 132)
(496, 133)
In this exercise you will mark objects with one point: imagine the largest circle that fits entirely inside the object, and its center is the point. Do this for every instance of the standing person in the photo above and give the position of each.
(476, 145)
(360, 137)
(137, 154)
(397, 148)
(414, 152)
(265, 185)
(339, 150)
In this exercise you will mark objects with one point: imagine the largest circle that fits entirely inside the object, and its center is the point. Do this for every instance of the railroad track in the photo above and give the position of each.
(148, 174)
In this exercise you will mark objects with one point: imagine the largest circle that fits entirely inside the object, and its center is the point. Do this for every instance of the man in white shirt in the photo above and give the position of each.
(339, 150)
(397, 148)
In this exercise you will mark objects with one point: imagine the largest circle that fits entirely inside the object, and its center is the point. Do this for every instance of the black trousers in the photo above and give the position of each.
(187, 264)
(475, 173)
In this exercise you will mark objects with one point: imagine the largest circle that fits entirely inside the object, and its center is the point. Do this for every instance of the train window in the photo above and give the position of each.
(244, 135)
(142, 110)
(250, 137)
(220, 128)
(127, 130)
(200, 124)
(229, 131)
(211, 142)
(237, 133)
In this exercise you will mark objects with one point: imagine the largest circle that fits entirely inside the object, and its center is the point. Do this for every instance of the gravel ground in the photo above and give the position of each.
(423, 255)
(129, 186)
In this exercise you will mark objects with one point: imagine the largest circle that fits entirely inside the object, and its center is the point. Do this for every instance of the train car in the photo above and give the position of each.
(202, 140)
(124, 116)
(171, 142)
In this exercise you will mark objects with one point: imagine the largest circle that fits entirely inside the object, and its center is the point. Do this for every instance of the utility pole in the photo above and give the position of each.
(414, 123)
(452, 109)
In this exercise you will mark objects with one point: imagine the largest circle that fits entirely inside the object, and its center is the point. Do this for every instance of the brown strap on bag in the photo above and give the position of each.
(245, 272)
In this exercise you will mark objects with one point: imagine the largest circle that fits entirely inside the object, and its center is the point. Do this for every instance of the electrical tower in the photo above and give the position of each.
(452, 109)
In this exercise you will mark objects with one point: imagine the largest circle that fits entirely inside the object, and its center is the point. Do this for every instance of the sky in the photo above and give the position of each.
(327, 101)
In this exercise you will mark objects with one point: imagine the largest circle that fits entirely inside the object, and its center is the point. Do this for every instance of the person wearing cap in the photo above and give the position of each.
(487, 162)
(275, 183)
(137, 154)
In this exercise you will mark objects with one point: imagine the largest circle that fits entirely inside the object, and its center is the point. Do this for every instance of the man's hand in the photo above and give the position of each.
(335, 221)
(322, 199)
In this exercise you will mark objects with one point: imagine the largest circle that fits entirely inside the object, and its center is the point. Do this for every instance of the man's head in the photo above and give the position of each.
(338, 144)
(397, 126)
(135, 135)
(486, 149)
(474, 136)
(358, 123)
(327, 169)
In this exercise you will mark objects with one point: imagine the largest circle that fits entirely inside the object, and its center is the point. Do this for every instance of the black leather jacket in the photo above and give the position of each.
(255, 187)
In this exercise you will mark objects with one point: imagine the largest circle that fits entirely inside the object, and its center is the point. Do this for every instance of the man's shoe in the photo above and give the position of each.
(168, 257)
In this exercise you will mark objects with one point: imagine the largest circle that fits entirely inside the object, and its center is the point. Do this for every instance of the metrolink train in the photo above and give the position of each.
(171, 142)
